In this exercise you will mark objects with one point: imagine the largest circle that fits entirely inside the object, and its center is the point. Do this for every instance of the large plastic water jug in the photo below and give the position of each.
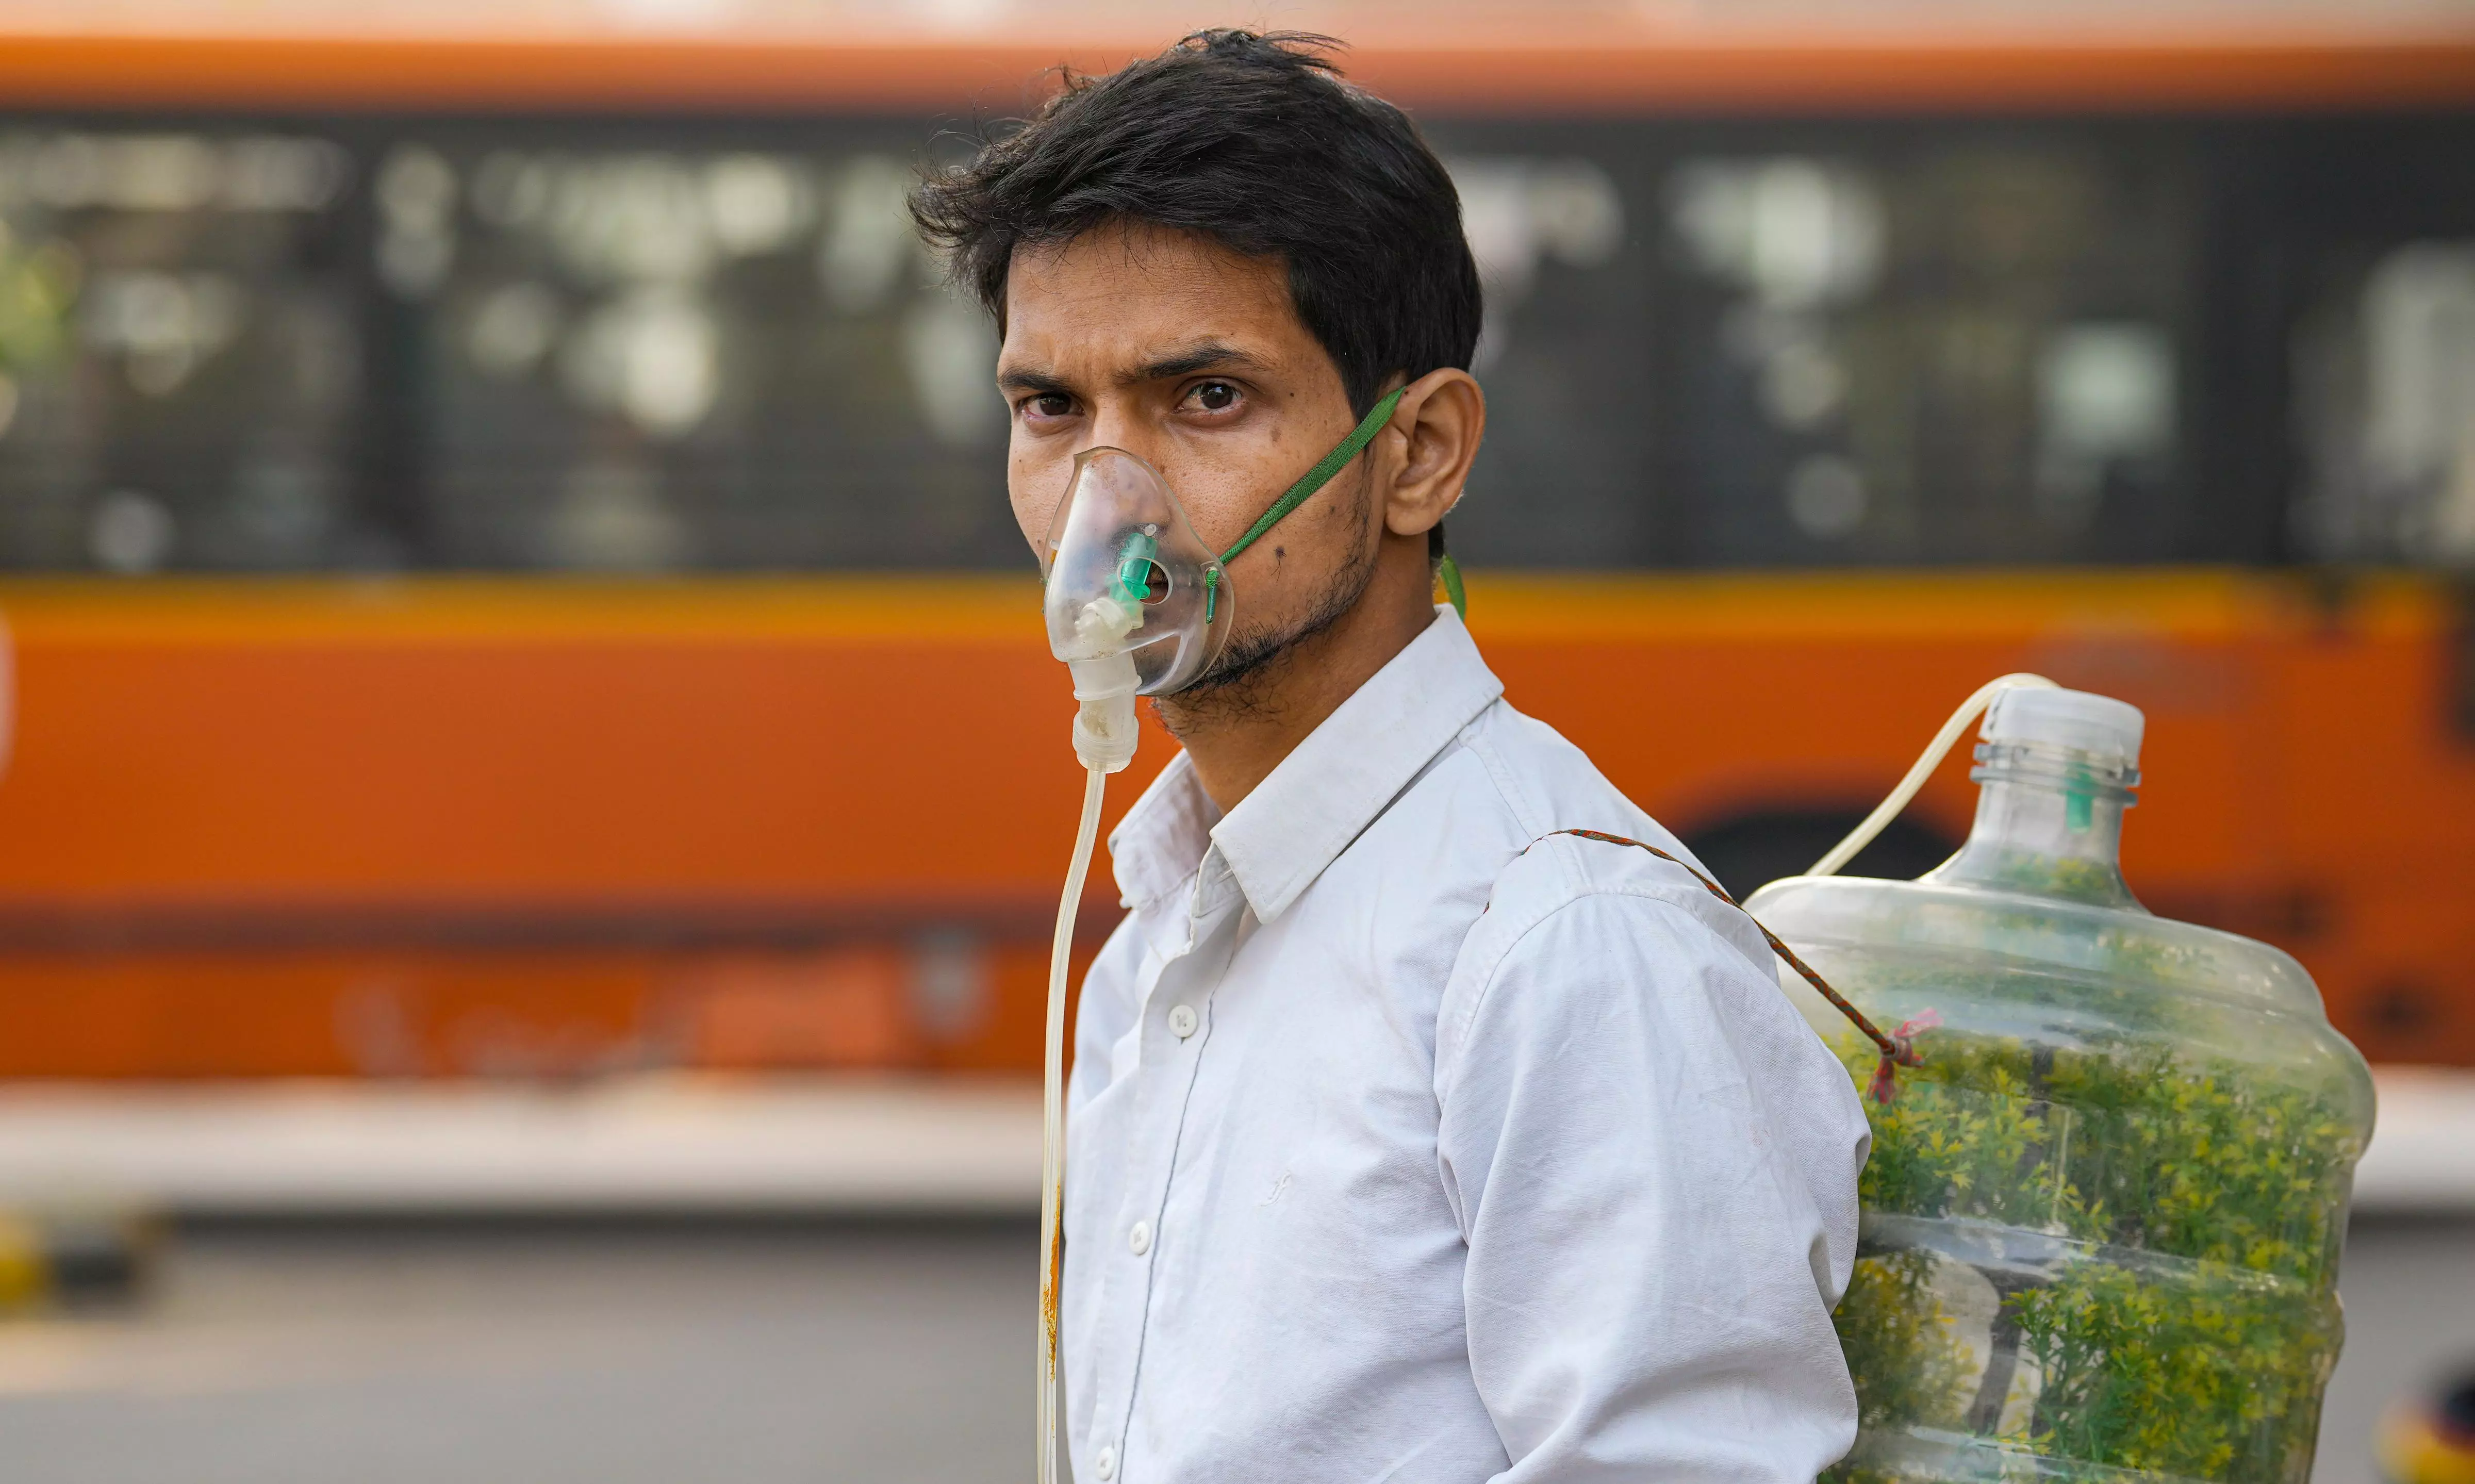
(2104, 1208)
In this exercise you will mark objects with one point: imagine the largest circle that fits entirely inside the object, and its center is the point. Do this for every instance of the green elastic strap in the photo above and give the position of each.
(1450, 571)
(1316, 478)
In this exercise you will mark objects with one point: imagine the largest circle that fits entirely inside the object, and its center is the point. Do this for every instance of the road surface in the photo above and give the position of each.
(683, 1355)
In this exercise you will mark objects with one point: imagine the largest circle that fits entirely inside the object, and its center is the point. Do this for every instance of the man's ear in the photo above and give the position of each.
(1438, 423)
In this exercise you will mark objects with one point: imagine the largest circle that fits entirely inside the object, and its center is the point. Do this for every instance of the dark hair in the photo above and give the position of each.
(1255, 142)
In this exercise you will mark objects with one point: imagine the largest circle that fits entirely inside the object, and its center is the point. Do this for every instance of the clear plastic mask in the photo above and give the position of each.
(1126, 573)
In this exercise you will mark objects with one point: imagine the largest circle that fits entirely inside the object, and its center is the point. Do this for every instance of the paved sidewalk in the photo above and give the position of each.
(2422, 1159)
(707, 1145)
(666, 1145)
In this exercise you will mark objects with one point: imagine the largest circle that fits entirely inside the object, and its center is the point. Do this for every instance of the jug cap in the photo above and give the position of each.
(2106, 729)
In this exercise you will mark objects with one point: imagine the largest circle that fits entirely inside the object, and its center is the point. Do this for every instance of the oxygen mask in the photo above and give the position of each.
(1137, 604)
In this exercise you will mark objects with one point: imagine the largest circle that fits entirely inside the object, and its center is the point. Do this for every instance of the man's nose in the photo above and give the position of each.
(1122, 422)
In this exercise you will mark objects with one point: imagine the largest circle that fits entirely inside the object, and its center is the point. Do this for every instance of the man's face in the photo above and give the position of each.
(1174, 348)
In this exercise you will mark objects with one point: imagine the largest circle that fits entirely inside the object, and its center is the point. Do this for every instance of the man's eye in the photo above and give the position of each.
(1051, 405)
(1214, 395)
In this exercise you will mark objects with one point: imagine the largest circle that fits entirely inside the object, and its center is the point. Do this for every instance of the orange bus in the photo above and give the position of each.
(478, 487)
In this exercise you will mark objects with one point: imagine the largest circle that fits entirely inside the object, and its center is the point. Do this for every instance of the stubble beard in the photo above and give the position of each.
(1244, 681)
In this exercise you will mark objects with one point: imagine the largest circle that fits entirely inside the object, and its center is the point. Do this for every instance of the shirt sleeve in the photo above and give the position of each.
(1653, 1163)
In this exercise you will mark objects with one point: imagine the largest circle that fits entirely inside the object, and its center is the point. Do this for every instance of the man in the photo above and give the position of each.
(1409, 1139)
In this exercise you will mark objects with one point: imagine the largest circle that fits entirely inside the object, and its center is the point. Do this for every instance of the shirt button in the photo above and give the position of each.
(1139, 1240)
(1184, 1020)
(1107, 1463)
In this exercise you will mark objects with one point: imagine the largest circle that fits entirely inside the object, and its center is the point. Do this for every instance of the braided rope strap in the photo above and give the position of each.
(1898, 1048)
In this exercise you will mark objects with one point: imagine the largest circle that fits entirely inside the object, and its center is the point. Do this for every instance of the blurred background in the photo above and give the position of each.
(536, 791)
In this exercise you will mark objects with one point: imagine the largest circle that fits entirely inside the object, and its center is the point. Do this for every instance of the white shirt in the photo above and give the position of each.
(1408, 1142)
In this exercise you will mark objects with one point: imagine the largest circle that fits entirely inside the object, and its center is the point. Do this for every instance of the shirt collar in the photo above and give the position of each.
(1335, 783)
(1322, 795)
(1162, 837)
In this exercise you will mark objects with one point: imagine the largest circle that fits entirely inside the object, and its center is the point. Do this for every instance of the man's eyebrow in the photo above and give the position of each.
(1030, 379)
(1210, 355)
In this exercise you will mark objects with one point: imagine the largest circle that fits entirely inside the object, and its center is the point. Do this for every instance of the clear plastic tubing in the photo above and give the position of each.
(1052, 1119)
(1924, 768)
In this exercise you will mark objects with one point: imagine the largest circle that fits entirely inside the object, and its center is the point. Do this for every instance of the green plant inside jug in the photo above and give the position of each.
(2102, 1216)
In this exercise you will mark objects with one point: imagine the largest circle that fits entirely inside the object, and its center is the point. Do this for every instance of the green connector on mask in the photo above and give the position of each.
(1132, 585)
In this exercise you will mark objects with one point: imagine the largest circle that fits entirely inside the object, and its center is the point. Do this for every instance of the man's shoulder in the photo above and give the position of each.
(1503, 782)
(1579, 842)
(1576, 923)
(1608, 871)
(1542, 785)
(1487, 822)
(1506, 783)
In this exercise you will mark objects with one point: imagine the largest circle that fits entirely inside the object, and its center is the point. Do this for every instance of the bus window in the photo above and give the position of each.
(1556, 218)
(179, 352)
(1932, 352)
(1875, 345)
(688, 353)
(698, 344)
(2388, 411)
